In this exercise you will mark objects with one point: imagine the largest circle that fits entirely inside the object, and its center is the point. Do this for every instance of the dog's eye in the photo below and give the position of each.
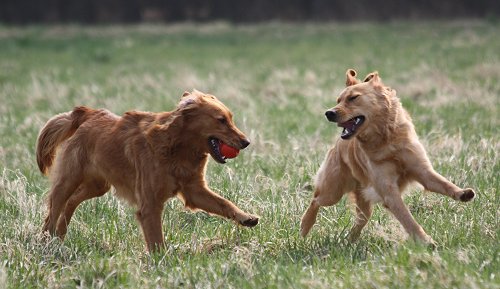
(352, 98)
(222, 120)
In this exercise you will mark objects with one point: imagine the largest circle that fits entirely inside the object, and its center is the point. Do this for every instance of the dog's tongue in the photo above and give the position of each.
(349, 125)
(228, 151)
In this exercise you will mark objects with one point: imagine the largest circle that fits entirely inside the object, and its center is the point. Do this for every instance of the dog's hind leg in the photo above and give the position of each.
(394, 203)
(59, 194)
(332, 182)
(66, 177)
(364, 210)
(87, 190)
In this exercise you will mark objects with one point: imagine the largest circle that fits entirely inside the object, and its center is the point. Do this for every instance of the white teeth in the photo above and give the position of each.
(216, 149)
(357, 121)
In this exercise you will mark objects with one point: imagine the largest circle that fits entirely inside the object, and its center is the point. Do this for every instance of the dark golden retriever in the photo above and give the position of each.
(377, 156)
(147, 157)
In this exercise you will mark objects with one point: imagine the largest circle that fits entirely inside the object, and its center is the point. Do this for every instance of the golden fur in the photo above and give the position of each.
(377, 159)
(147, 157)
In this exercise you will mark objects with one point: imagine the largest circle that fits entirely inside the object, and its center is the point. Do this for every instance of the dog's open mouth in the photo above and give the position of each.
(351, 126)
(214, 144)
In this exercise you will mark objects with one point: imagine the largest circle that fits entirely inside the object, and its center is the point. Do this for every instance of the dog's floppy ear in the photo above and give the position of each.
(194, 93)
(372, 77)
(186, 102)
(188, 99)
(351, 77)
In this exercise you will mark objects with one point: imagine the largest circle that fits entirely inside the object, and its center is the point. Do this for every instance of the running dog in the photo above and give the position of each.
(377, 155)
(147, 157)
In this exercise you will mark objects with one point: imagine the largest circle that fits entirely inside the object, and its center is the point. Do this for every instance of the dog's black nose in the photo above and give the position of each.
(244, 143)
(331, 115)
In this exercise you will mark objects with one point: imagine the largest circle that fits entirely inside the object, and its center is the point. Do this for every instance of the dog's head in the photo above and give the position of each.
(360, 104)
(211, 123)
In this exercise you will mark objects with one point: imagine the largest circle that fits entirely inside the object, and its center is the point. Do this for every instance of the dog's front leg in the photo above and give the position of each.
(420, 167)
(434, 182)
(332, 182)
(149, 216)
(202, 198)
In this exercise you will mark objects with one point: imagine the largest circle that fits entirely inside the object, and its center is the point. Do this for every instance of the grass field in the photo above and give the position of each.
(278, 79)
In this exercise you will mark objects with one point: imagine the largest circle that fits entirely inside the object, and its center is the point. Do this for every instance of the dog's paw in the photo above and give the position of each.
(303, 230)
(427, 241)
(250, 222)
(431, 244)
(467, 195)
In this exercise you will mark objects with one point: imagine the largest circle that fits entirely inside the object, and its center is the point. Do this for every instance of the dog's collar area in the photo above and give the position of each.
(214, 145)
(351, 126)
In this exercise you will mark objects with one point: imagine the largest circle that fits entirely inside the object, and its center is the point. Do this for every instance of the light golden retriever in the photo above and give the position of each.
(377, 156)
(147, 157)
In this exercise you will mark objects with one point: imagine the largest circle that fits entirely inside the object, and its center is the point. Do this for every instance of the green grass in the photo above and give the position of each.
(278, 79)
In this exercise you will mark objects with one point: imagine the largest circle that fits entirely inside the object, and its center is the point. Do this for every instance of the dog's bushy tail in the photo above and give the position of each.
(56, 130)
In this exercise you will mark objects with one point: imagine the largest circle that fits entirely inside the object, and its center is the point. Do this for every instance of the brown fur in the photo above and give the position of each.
(378, 161)
(147, 157)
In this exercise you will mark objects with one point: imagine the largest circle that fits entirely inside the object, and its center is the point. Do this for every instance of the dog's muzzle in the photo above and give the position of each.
(331, 115)
(244, 143)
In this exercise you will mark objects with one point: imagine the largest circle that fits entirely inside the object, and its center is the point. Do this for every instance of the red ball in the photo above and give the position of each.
(228, 151)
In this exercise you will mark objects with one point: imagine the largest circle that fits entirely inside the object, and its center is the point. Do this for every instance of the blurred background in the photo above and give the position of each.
(132, 11)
